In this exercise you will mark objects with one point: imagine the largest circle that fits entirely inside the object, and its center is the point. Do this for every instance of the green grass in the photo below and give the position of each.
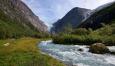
(24, 52)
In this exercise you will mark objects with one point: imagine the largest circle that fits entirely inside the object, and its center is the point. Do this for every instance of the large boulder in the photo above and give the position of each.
(98, 48)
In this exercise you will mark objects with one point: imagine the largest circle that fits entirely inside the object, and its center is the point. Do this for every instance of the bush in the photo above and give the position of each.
(84, 39)
(76, 39)
(109, 40)
(81, 31)
(107, 30)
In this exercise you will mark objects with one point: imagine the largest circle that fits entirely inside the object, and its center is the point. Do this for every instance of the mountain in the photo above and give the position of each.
(73, 18)
(103, 14)
(17, 19)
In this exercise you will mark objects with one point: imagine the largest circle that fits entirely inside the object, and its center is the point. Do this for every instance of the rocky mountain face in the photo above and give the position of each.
(17, 11)
(104, 14)
(73, 18)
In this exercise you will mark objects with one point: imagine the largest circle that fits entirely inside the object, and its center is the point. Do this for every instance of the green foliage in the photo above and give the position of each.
(16, 30)
(80, 31)
(76, 39)
(109, 40)
(107, 30)
(13, 30)
(105, 35)
(68, 28)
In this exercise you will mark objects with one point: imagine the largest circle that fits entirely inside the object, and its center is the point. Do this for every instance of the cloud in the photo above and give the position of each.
(51, 10)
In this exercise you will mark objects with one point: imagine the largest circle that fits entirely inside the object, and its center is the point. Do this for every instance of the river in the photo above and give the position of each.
(71, 55)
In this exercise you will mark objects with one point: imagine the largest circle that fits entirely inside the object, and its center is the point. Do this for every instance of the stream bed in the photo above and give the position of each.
(71, 55)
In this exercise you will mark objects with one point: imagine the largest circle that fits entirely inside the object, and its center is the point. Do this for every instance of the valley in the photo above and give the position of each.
(83, 37)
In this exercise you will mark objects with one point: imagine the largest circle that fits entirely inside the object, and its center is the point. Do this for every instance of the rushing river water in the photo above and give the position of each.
(70, 55)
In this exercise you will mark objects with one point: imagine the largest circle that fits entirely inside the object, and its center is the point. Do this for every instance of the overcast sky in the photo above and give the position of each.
(50, 11)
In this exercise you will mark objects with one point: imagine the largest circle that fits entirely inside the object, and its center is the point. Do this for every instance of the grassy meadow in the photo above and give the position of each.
(24, 52)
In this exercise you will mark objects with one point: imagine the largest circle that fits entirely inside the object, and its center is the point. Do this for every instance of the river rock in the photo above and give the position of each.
(98, 48)
(80, 49)
(112, 53)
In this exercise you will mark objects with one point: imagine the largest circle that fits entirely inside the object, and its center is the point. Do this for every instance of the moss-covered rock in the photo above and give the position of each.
(98, 48)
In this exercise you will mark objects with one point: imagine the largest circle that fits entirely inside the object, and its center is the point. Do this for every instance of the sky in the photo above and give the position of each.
(50, 11)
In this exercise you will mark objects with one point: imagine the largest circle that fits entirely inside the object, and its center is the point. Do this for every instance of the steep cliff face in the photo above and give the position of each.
(17, 20)
(17, 11)
(73, 18)
(104, 14)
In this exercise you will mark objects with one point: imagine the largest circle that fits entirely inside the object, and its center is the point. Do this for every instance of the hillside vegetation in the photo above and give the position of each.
(17, 20)
(9, 29)
(83, 36)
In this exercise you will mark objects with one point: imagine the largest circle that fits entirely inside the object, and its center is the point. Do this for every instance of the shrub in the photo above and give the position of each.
(107, 30)
(76, 39)
(81, 31)
(109, 40)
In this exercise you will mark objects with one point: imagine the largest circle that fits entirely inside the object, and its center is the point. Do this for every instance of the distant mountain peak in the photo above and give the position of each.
(73, 17)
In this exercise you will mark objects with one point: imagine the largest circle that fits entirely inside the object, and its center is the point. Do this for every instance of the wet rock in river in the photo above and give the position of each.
(80, 49)
(98, 48)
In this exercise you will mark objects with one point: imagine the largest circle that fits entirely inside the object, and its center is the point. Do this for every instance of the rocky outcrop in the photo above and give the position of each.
(104, 14)
(73, 18)
(17, 11)
(98, 48)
